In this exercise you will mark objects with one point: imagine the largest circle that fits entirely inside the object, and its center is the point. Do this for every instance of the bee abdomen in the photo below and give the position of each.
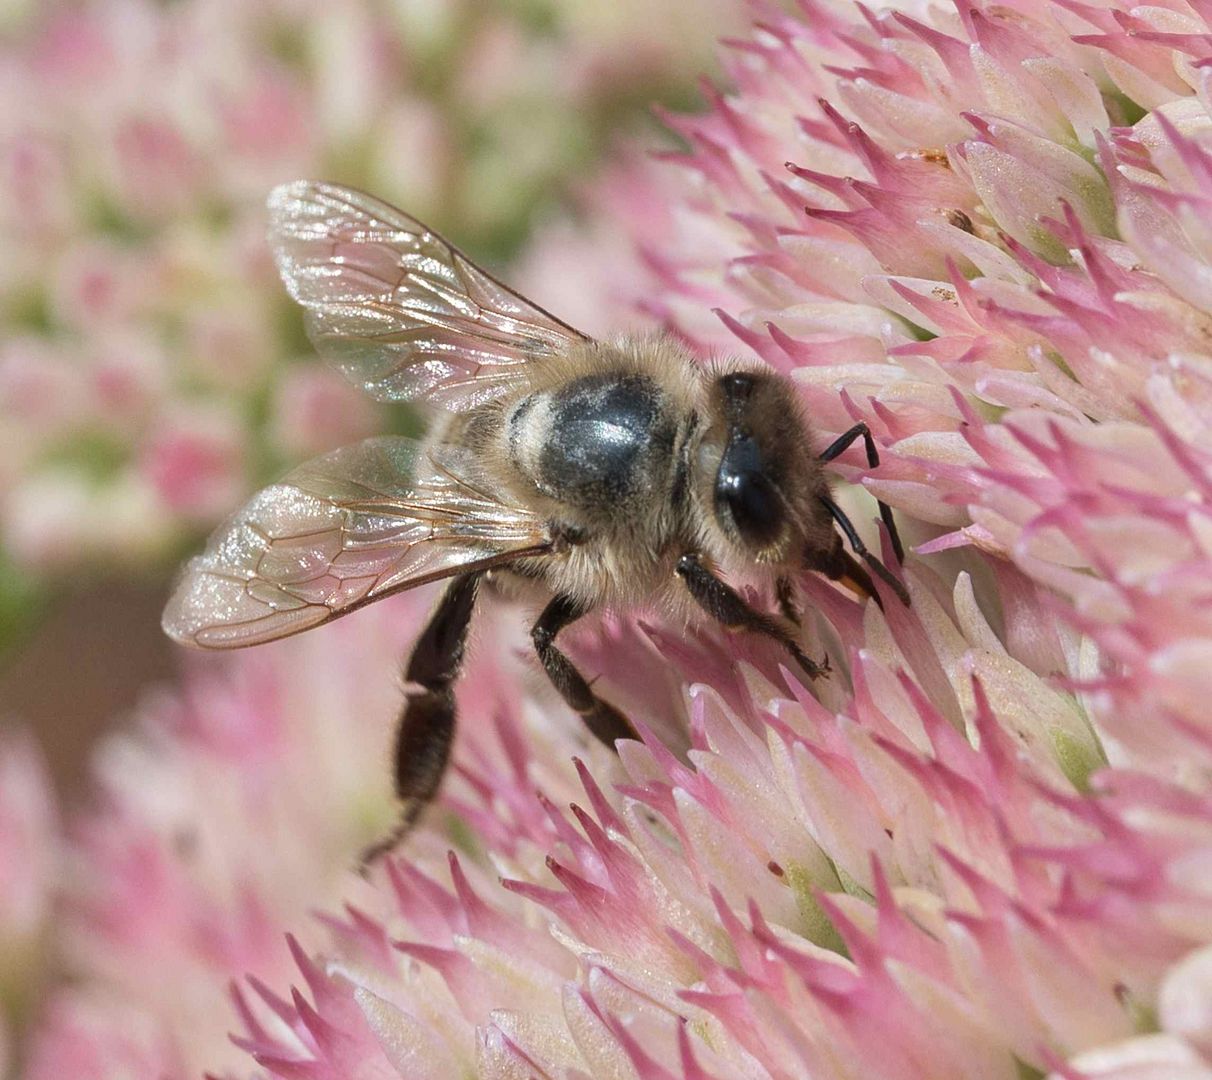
(597, 443)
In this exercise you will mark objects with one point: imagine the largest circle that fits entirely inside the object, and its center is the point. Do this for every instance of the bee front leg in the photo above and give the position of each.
(725, 605)
(884, 574)
(604, 721)
(427, 724)
(840, 445)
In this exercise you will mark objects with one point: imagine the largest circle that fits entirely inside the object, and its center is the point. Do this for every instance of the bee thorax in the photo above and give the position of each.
(601, 443)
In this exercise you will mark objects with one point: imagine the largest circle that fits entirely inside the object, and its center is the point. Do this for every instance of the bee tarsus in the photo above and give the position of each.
(724, 604)
(602, 719)
(784, 592)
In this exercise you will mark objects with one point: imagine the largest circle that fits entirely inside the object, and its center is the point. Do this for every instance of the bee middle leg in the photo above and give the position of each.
(427, 724)
(602, 719)
(785, 594)
(726, 606)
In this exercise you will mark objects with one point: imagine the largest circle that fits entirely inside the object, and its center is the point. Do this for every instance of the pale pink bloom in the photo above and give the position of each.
(231, 810)
(227, 345)
(359, 66)
(313, 409)
(30, 851)
(62, 517)
(47, 519)
(237, 807)
(990, 230)
(157, 174)
(128, 379)
(496, 54)
(99, 284)
(415, 159)
(1146, 1057)
(41, 399)
(629, 40)
(585, 268)
(1185, 999)
(568, 269)
(129, 524)
(987, 916)
(267, 130)
(194, 459)
(36, 186)
(83, 1036)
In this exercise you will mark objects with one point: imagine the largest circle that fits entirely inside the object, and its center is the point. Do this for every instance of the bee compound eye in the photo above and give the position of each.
(755, 507)
(745, 491)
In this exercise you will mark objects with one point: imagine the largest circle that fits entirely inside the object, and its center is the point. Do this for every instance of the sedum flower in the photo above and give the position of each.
(235, 808)
(228, 811)
(808, 892)
(981, 848)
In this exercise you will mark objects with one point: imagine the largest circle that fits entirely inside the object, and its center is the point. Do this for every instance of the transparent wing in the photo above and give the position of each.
(340, 531)
(402, 313)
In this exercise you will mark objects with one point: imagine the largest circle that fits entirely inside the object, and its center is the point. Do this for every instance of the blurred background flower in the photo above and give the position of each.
(212, 825)
(30, 861)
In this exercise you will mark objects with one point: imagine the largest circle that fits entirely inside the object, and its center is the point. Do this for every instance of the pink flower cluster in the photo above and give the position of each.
(983, 848)
(228, 812)
(990, 856)
(810, 892)
(1010, 290)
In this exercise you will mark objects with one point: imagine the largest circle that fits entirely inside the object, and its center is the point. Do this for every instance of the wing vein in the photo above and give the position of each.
(341, 530)
(386, 294)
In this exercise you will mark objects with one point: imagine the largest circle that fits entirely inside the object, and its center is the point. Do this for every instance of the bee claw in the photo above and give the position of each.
(811, 668)
(371, 855)
(385, 845)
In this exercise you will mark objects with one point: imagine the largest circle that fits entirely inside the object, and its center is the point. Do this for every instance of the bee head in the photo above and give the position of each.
(767, 488)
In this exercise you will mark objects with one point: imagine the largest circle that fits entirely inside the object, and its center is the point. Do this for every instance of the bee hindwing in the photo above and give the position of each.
(340, 531)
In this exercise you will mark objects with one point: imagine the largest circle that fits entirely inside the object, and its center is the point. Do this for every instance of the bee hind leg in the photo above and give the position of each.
(602, 719)
(724, 604)
(427, 723)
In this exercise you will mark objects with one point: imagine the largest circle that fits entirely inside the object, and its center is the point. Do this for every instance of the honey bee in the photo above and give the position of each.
(601, 473)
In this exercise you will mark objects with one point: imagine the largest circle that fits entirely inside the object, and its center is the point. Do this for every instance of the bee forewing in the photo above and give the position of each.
(340, 531)
(402, 313)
